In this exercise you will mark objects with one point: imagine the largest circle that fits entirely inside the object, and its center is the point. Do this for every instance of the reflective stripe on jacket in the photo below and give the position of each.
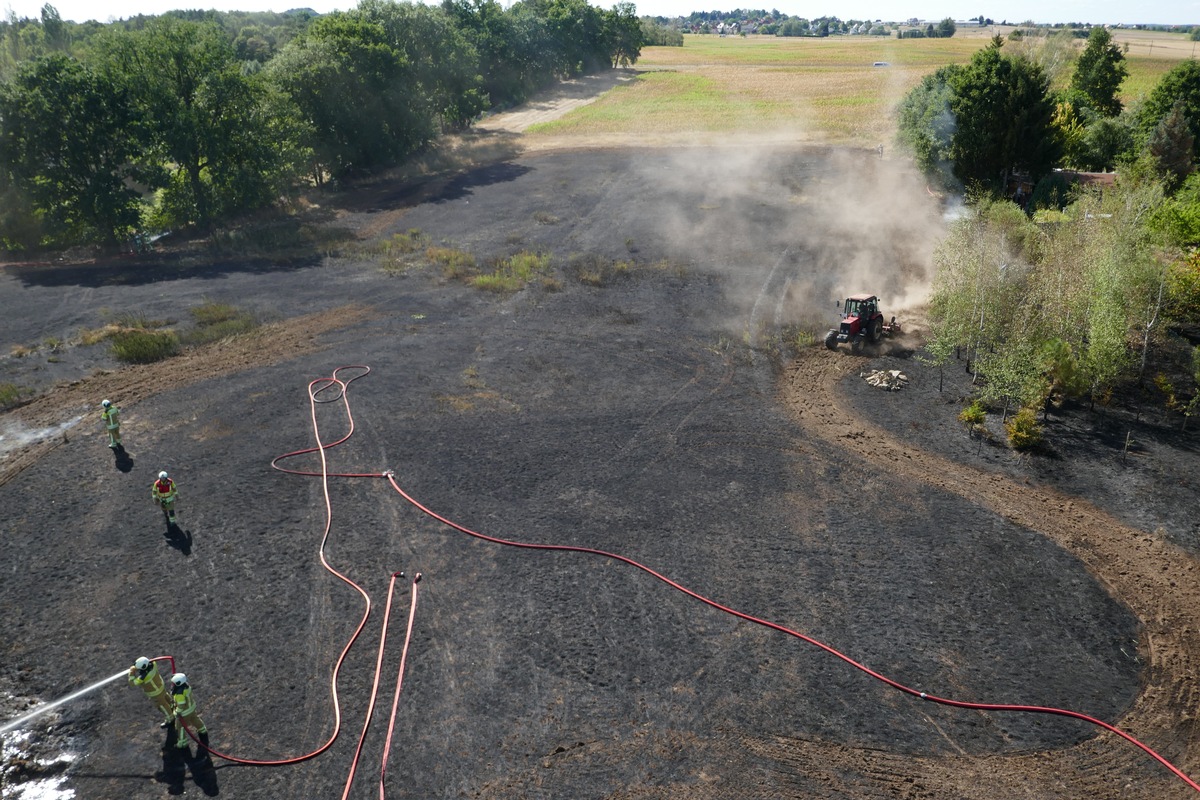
(152, 684)
(184, 704)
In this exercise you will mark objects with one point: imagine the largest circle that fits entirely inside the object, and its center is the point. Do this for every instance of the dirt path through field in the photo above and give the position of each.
(553, 103)
(1154, 579)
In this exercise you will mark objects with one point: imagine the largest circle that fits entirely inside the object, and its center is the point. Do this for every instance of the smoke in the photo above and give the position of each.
(793, 228)
(15, 434)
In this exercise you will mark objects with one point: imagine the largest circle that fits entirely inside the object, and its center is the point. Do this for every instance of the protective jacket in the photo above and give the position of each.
(111, 418)
(185, 705)
(164, 490)
(153, 685)
(185, 713)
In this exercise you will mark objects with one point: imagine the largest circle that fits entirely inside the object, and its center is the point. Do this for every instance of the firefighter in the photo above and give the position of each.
(163, 491)
(185, 709)
(111, 417)
(144, 673)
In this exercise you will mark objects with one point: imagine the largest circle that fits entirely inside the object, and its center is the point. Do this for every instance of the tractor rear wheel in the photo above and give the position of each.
(876, 331)
(831, 340)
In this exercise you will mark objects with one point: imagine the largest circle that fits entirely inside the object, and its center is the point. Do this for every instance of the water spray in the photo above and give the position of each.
(19, 722)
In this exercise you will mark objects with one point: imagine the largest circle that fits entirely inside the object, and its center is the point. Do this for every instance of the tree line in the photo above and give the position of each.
(1070, 291)
(175, 121)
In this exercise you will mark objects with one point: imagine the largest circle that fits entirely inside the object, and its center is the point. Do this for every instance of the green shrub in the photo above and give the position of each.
(495, 282)
(136, 319)
(1052, 192)
(398, 253)
(225, 329)
(210, 313)
(597, 270)
(513, 273)
(973, 416)
(1024, 431)
(803, 338)
(144, 347)
(11, 395)
(91, 336)
(216, 321)
(526, 264)
(411, 241)
(455, 263)
(273, 236)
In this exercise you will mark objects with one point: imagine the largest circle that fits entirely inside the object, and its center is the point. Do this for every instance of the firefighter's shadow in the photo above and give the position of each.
(178, 538)
(122, 459)
(178, 761)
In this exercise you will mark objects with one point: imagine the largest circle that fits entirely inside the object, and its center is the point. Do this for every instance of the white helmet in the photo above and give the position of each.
(106, 403)
(162, 476)
(179, 679)
(142, 664)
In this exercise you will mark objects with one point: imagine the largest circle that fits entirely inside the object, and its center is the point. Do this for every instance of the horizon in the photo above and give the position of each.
(1014, 12)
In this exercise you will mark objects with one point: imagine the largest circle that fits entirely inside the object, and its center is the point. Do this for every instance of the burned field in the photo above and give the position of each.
(646, 399)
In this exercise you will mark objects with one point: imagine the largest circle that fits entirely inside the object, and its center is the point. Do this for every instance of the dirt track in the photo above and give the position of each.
(1154, 578)
(629, 416)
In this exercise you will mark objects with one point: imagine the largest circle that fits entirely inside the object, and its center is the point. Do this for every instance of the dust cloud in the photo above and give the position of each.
(793, 229)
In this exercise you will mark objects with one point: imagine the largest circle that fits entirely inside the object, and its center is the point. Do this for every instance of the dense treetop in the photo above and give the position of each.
(197, 116)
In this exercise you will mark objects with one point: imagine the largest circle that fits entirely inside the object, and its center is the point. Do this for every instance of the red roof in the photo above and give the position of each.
(1089, 178)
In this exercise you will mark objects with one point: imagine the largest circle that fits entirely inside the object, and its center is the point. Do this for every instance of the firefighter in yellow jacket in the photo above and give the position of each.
(164, 492)
(144, 673)
(185, 709)
(111, 417)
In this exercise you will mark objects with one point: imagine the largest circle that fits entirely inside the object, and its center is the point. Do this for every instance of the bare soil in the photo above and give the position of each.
(653, 410)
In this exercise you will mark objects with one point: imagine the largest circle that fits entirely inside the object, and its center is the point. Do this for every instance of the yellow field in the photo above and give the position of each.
(826, 90)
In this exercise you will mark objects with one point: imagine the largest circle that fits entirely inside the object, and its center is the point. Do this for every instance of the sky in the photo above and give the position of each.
(1097, 12)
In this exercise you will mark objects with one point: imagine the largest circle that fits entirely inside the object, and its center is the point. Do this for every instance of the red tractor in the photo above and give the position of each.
(862, 323)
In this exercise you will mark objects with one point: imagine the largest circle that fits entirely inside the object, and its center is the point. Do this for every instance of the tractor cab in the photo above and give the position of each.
(861, 306)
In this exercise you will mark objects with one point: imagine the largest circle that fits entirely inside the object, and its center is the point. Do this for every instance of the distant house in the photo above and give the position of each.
(1101, 179)
(1020, 188)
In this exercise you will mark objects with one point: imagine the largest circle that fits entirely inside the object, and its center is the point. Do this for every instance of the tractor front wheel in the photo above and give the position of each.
(856, 343)
(831, 340)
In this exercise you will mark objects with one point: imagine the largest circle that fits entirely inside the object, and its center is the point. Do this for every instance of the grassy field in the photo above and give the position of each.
(827, 90)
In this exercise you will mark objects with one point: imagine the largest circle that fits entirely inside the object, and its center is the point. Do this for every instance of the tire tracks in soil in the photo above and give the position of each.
(1154, 579)
(267, 345)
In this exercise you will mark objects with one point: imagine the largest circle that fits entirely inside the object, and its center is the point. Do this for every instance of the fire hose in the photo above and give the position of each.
(316, 390)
